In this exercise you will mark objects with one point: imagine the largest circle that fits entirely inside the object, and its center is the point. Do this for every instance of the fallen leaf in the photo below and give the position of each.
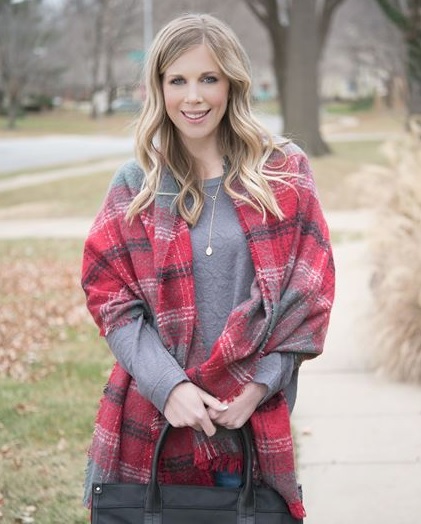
(17, 462)
(62, 444)
(5, 450)
(24, 519)
(23, 409)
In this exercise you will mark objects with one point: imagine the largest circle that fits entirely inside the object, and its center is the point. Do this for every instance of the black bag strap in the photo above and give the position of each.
(246, 499)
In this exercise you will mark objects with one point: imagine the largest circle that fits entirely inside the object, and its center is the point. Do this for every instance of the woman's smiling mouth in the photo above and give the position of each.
(195, 117)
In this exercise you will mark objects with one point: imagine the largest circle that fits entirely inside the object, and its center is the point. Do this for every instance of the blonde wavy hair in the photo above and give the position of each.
(242, 140)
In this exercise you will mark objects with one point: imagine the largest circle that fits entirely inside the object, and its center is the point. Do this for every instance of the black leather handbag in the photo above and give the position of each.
(182, 504)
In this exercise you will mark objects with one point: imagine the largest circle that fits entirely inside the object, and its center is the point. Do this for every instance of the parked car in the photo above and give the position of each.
(126, 105)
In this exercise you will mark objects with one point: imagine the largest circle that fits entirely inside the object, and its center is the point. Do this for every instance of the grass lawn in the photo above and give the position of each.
(60, 121)
(71, 121)
(45, 432)
(79, 196)
(47, 411)
(333, 171)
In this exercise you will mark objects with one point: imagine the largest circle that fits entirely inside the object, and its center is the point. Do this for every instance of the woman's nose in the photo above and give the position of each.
(193, 95)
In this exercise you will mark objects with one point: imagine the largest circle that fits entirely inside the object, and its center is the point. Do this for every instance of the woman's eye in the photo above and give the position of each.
(210, 79)
(177, 81)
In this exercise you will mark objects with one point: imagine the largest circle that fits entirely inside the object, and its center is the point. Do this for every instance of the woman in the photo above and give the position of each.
(209, 272)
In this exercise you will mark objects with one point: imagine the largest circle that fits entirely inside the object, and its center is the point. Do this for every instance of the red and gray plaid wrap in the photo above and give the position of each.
(145, 268)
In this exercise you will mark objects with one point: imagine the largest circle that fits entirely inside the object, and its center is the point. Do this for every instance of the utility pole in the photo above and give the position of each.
(147, 24)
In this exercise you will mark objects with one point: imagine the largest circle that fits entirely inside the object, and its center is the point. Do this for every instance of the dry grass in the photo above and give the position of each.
(371, 121)
(77, 196)
(396, 246)
(65, 122)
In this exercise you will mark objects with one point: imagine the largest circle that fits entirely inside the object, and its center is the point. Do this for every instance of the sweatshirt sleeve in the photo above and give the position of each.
(274, 371)
(139, 350)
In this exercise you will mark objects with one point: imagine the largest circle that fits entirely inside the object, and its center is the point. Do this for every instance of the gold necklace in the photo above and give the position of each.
(209, 249)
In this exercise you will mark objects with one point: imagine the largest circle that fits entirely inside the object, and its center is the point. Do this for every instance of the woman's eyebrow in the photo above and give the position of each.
(204, 73)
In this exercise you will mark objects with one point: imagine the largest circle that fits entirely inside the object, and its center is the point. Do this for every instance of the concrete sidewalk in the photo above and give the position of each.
(359, 434)
(71, 227)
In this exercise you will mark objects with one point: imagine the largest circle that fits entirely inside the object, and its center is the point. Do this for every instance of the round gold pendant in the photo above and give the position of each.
(209, 251)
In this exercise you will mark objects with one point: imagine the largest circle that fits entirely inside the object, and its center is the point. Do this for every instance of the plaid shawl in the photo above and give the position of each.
(145, 268)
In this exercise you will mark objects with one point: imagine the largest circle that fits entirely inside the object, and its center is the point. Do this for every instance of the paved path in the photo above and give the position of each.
(74, 227)
(77, 227)
(359, 433)
(45, 228)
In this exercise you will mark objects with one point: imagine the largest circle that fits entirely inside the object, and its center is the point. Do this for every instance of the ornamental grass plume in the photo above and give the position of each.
(395, 243)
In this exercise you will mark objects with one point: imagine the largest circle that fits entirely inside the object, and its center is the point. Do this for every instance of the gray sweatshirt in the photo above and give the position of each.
(222, 281)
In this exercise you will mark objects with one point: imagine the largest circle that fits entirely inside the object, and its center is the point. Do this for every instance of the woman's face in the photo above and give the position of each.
(196, 96)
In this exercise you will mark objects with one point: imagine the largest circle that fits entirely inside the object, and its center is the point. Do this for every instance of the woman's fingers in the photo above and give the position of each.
(186, 406)
(212, 402)
(241, 408)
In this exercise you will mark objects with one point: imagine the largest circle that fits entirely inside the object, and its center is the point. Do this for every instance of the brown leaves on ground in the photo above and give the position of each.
(41, 300)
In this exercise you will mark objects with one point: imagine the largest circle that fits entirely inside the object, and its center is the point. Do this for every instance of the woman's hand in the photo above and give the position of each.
(241, 408)
(188, 405)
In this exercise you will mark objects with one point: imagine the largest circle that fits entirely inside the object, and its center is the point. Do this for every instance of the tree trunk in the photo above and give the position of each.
(12, 114)
(407, 18)
(414, 98)
(13, 96)
(110, 86)
(279, 65)
(413, 42)
(97, 52)
(301, 112)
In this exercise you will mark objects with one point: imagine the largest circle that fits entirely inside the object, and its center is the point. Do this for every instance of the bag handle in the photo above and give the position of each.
(246, 503)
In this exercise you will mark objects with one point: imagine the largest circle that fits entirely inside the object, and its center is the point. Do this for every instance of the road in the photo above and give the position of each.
(17, 154)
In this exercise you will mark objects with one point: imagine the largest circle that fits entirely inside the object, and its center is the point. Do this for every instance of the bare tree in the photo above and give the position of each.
(25, 33)
(298, 31)
(406, 16)
(104, 28)
(120, 24)
(90, 16)
(364, 56)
